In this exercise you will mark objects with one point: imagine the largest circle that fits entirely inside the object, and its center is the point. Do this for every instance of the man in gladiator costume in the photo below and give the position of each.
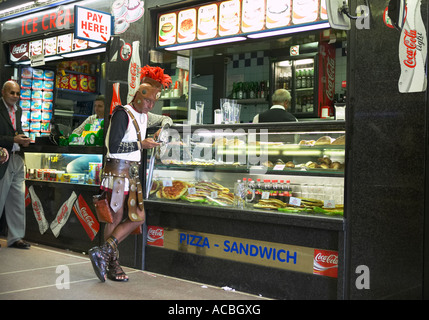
(120, 181)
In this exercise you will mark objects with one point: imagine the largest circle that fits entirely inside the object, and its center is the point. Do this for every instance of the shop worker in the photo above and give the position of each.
(278, 112)
(123, 160)
(97, 117)
(12, 175)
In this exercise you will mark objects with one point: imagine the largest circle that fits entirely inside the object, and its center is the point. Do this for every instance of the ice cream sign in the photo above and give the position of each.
(93, 25)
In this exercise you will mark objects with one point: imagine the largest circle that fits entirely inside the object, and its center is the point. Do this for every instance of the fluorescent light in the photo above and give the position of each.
(17, 7)
(289, 30)
(205, 44)
(54, 58)
(84, 52)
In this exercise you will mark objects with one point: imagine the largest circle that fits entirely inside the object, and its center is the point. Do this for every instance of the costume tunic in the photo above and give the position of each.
(121, 140)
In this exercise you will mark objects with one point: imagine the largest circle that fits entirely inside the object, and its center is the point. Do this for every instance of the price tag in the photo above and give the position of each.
(295, 201)
(329, 204)
(213, 194)
(167, 183)
(192, 190)
(265, 195)
(279, 167)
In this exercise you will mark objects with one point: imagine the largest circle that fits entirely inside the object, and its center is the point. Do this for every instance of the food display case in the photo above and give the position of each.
(288, 169)
(60, 183)
(249, 198)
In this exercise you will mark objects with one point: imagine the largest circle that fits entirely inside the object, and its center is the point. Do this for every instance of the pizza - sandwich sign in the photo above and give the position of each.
(93, 25)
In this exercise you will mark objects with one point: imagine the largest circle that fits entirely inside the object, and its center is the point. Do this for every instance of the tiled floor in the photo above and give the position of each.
(46, 273)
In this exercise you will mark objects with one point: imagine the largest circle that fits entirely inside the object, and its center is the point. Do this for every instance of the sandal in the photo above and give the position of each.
(115, 272)
(99, 257)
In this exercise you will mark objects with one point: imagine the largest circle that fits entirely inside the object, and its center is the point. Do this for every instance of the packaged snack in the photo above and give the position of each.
(46, 116)
(35, 126)
(47, 106)
(25, 94)
(25, 105)
(73, 85)
(48, 96)
(37, 85)
(37, 95)
(49, 75)
(48, 85)
(83, 83)
(45, 127)
(27, 73)
(38, 74)
(26, 84)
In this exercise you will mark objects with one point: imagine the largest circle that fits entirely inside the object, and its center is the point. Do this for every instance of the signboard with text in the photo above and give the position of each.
(93, 25)
(275, 255)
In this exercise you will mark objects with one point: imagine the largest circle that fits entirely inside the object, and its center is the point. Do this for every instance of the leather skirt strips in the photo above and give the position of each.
(121, 176)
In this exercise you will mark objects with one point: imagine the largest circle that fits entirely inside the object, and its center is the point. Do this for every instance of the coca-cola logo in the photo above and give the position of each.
(19, 52)
(331, 259)
(155, 236)
(325, 263)
(410, 42)
(330, 71)
(37, 211)
(133, 72)
(64, 210)
(156, 233)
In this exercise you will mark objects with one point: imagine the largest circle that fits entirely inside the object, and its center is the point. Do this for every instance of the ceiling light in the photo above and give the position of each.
(85, 52)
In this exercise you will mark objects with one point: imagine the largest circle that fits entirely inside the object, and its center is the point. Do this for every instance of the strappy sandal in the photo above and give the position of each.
(115, 271)
(99, 257)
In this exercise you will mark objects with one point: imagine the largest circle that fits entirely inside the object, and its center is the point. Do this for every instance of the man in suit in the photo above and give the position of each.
(12, 175)
(278, 112)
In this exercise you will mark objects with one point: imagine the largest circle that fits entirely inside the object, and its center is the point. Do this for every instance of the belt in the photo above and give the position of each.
(120, 170)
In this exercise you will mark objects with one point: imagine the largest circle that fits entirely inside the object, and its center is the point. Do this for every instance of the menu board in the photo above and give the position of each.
(50, 46)
(253, 18)
(207, 22)
(65, 43)
(278, 13)
(229, 18)
(187, 25)
(167, 29)
(235, 17)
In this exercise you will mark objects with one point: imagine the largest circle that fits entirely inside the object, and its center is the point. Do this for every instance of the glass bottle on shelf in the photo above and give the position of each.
(298, 79)
(258, 190)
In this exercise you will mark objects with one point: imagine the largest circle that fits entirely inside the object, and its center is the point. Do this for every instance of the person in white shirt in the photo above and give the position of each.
(98, 116)
(125, 139)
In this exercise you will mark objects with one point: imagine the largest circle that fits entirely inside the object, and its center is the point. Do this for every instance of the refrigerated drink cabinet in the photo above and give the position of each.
(309, 76)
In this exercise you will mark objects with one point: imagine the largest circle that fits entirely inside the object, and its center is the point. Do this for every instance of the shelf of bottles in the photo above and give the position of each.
(250, 92)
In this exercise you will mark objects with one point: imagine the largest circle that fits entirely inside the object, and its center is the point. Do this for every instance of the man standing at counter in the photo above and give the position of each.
(278, 112)
(121, 182)
(12, 175)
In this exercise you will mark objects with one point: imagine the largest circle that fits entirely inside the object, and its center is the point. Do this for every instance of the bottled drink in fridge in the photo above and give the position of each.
(282, 191)
(266, 190)
(287, 191)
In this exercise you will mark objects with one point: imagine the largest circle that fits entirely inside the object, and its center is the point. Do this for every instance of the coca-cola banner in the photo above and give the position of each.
(63, 215)
(86, 217)
(413, 51)
(326, 75)
(275, 255)
(38, 211)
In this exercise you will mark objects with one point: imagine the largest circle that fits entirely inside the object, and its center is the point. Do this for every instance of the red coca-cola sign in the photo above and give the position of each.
(19, 52)
(155, 236)
(410, 43)
(325, 263)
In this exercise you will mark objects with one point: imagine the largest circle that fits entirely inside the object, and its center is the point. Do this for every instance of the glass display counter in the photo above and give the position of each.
(283, 168)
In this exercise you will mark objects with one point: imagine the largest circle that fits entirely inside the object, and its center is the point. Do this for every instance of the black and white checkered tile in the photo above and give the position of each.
(249, 59)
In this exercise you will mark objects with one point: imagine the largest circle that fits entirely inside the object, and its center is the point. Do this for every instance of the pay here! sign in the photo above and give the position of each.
(92, 25)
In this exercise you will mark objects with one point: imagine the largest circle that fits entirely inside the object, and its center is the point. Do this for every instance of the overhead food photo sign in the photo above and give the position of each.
(93, 25)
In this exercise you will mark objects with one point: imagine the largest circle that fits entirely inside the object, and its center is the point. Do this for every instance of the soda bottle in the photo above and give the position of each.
(266, 190)
(252, 189)
(258, 190)
(287, 191)
(282, 190)
(274, 190)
